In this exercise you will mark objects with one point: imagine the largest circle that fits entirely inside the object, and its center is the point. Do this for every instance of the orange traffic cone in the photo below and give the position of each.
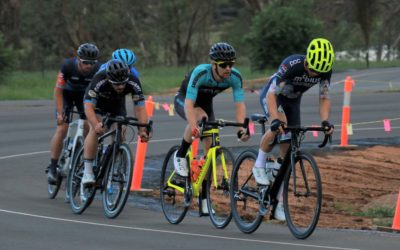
(396, 218)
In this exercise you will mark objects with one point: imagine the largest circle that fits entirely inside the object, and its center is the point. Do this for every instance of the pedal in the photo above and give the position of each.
(263, 208)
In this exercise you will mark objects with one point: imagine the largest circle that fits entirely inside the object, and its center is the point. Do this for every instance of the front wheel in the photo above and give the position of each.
(218, 178)
(244, 193)
(172, 192)
(80, 198)
(117, 182)
(302, 196)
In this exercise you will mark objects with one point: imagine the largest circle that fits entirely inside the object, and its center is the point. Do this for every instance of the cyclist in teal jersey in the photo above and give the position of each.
(194, 99)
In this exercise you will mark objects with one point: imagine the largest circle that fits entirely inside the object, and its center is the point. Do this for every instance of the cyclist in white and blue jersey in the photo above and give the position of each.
(194, 98)
(127, 56)
(281, 97)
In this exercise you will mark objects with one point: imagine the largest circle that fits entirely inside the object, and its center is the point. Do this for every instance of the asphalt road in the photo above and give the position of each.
(28, 220)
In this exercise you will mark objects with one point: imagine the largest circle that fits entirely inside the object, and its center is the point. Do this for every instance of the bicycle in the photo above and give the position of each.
(302, 190)
(176, 192)
(71, 145)
(113, 168)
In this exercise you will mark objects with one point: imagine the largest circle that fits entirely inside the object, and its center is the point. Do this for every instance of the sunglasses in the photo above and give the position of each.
(88, 62)
(225, 64)
(119, 83)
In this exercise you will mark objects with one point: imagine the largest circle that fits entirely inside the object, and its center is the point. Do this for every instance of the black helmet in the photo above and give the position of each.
(222, 52)
(117, 71)
(88, 51)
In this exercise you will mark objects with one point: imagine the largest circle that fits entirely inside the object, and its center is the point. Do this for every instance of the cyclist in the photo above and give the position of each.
(72, 80)
(128, 57)
(194, 100)
(280, 100)
(106, 94)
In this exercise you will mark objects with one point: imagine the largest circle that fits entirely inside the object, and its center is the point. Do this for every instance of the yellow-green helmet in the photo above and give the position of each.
(320, 55)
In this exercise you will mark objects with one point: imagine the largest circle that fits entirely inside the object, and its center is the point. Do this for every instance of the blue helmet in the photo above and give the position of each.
(125, 55)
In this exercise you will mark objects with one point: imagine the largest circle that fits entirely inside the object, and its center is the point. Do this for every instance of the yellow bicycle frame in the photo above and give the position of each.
(211, 160)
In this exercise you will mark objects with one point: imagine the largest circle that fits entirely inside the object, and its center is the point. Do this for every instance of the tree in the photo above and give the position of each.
(6, 59)
(279, 31)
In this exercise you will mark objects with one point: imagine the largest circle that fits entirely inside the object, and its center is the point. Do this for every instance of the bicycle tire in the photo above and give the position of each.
(117, 182)
(298, 207)
(218, 195)
(79, 144)
(172, 200)
(77, 202)
(245, 208)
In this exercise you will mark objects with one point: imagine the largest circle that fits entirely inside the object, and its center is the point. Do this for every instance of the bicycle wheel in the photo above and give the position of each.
(80, 198)
(79, 144)
(218, 199)
(171, 190)
(117, 182)
(245, 193)
(302, 196)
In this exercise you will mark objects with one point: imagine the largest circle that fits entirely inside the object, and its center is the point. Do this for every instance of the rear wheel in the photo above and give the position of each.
(302, 196)
(218, 198)
(172, 190)
(118, 182)
(80, 198)
(245, 193)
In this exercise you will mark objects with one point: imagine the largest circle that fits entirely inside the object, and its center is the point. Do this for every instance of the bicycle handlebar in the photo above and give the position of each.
(297, 129)
(222, 123)
(128, 120)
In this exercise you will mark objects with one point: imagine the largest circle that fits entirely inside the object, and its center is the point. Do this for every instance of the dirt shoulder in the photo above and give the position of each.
(359, 181)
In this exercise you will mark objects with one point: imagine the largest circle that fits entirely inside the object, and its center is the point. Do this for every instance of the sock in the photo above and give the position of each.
(183, 149)
(262, 158)
(54, 162)
(204, 189)
(88, 166)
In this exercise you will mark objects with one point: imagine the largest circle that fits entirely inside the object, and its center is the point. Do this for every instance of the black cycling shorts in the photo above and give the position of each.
(73, 99)
(289, 106)
(203, 102)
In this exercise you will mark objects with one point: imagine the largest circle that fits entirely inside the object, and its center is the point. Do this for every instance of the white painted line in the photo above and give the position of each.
(171, 232)
(25, 154)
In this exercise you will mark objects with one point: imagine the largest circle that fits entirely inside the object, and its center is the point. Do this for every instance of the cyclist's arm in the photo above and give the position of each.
(58, 96)
(90, 114)
(324, 100)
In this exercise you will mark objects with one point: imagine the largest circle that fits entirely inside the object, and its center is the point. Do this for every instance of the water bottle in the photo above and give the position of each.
(272, 168)
(195, 168)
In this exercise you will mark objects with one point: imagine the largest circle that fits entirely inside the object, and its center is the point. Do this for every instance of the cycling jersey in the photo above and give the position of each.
(71, 79)
(200, 84)
(133, 70)
(292, 80)
(201, 87)
(102, 94)
(289, 83)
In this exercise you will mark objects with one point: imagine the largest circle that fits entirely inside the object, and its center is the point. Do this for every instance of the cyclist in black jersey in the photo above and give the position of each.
(280, 99)
(106, 94)
(194, 100)
(72, 79)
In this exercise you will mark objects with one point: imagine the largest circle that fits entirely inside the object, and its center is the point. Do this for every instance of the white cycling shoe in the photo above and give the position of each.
(261, 176)
(87, 179)
(204, 207)
(279, 213)
(180, 165)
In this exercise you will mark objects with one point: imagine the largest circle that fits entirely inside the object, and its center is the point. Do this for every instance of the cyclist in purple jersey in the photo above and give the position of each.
(280, 99)
(72, 79)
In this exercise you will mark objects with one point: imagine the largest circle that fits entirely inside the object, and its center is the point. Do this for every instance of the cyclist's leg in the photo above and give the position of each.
(58, 137)
(292, 118)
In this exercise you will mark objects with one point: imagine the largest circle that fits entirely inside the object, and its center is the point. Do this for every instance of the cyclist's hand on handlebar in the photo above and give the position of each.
(328, 126)
(99, 128)
(144, 136)
(277, 125)
(242, 135)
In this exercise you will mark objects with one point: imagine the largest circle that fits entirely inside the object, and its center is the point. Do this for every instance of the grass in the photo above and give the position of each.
(24, 85)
